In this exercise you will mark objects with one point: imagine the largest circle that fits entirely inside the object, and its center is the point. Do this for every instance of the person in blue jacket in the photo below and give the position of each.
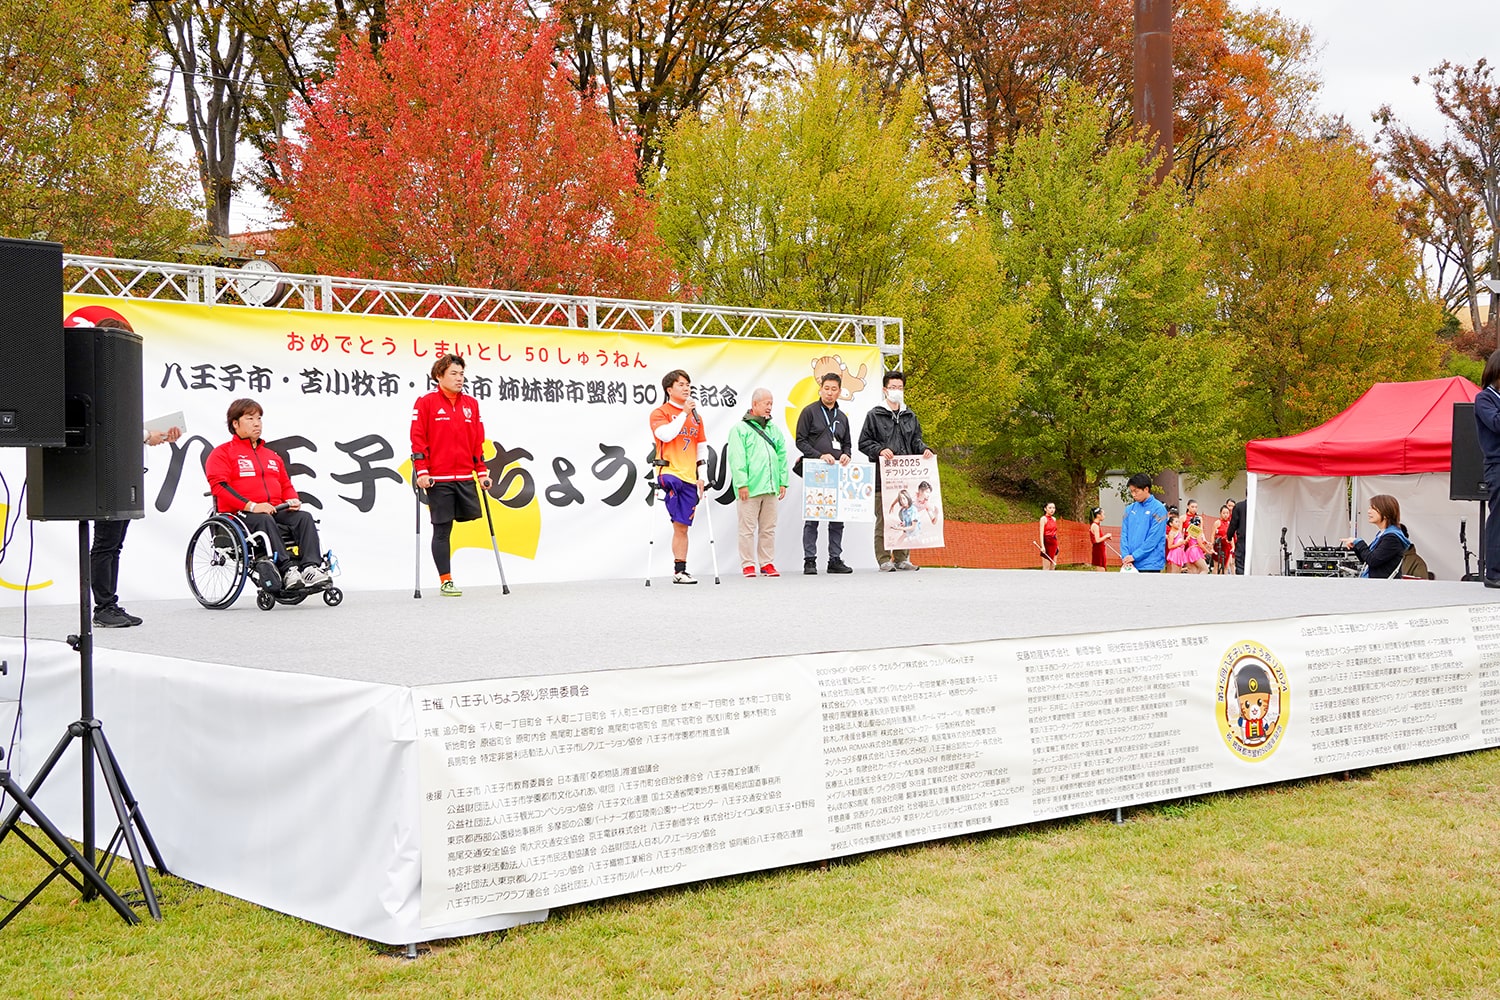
(1143, 529)
(1487, 423)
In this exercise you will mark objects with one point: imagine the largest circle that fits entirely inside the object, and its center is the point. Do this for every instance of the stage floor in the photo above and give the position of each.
(387, 637)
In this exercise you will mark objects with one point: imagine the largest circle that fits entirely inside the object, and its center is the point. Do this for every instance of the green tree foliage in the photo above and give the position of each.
(1314, 277)
(1119, 371)
(825, 200)
(83, 160)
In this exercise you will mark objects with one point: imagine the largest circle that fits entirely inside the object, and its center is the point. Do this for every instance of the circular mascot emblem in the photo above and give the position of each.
(1254, 702)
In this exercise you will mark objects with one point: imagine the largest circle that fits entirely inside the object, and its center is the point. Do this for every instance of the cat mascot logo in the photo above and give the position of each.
(1254, 702)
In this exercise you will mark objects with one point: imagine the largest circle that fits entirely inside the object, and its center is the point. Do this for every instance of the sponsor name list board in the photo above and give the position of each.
(540, 792)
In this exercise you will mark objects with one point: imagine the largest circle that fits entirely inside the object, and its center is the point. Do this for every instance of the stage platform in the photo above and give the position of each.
(312, 759)
(388, 637)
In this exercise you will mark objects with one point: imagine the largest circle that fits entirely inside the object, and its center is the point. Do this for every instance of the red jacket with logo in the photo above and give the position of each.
(240, 472)
(448, 436)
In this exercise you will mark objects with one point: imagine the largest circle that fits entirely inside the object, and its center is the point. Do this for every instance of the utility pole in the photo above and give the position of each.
(1154, 100)
(1153, 105)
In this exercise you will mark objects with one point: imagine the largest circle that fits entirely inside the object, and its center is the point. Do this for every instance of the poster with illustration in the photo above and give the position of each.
(912, 502)
(833, 492)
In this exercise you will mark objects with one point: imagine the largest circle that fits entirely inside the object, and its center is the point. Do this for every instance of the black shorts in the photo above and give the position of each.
(456, 500)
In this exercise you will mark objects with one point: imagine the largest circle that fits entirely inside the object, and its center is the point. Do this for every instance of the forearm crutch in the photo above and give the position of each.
(713, 552)
(484, 502)
(416, 561)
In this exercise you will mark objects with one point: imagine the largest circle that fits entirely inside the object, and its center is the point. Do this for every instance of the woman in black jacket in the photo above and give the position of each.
(1382, 555)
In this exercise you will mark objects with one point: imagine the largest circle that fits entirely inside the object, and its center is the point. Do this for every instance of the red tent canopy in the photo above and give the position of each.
(1395, 428)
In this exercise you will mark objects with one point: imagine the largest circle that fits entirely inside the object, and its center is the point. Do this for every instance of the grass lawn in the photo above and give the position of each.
(965, 499)
(1379, 885)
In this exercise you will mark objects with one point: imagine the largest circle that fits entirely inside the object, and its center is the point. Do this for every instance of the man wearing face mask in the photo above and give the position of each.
(891, 429)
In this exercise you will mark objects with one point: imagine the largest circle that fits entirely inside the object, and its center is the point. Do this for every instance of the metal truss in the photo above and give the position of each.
(268, 289)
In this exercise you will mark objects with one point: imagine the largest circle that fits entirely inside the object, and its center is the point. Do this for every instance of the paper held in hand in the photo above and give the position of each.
(166, 422)
(833, 492)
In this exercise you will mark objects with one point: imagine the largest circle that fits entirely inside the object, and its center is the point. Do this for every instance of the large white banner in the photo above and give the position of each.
(549, 791)
(566, 412)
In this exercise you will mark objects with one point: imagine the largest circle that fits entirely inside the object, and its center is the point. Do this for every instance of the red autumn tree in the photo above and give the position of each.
(990, 70)
(463, 154)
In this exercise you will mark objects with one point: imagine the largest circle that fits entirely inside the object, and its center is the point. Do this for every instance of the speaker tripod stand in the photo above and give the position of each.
(79, 867)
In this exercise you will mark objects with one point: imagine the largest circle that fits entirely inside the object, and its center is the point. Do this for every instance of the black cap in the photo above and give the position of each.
(1252, 679)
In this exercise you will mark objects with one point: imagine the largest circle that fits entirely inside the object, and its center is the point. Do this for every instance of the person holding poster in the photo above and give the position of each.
(678, 431)
(891, 429)
(823, 433)
(447, 453)
(758, 471)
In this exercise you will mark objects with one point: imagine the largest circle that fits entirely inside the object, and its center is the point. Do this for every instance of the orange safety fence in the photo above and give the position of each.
(1010, 546)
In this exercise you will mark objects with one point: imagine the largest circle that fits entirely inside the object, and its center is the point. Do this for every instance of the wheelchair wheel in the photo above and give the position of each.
(216, 563)
(265, 600)
(333, 597)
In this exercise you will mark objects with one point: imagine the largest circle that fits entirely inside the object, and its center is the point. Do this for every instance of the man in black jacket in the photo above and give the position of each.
(1236, 532)
(891, 429)
(823, 433)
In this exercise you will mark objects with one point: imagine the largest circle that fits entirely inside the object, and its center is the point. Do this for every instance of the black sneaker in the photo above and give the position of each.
(133, 619)
(809, 567)
(113, 617)
(838, 566)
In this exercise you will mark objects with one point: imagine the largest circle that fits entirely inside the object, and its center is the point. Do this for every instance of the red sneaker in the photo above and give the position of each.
(749, 571)
(768, 570)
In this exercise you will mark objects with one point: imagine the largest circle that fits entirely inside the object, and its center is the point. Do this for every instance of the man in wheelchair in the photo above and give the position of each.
(251, 480)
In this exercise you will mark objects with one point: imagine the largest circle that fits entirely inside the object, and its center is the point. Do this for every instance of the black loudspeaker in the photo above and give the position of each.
(1466, 474)
(98, 474)
(31, 344)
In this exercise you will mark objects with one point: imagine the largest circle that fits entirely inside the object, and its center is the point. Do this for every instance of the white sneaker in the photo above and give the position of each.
(887, 566)
(314, 575)
(291, 579)
(683, 577)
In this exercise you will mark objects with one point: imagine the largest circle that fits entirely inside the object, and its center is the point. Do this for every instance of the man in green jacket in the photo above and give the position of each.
(758, 470)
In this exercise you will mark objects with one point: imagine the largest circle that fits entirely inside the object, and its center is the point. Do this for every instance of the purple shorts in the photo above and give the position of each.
(682, 499)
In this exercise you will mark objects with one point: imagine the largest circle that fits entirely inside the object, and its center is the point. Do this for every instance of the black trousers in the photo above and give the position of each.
(810, 539)
(104, 561)
(304, 534)
(1492, 525)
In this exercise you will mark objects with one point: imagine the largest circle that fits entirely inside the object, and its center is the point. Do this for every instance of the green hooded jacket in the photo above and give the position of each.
(755, 462)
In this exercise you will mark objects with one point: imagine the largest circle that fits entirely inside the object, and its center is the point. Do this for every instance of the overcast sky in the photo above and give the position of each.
(1372, 48)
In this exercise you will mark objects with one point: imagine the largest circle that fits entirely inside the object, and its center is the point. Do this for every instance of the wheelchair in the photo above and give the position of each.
(223, 554)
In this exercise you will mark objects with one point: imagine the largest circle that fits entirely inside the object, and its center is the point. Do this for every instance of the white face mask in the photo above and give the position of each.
(895, 396)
